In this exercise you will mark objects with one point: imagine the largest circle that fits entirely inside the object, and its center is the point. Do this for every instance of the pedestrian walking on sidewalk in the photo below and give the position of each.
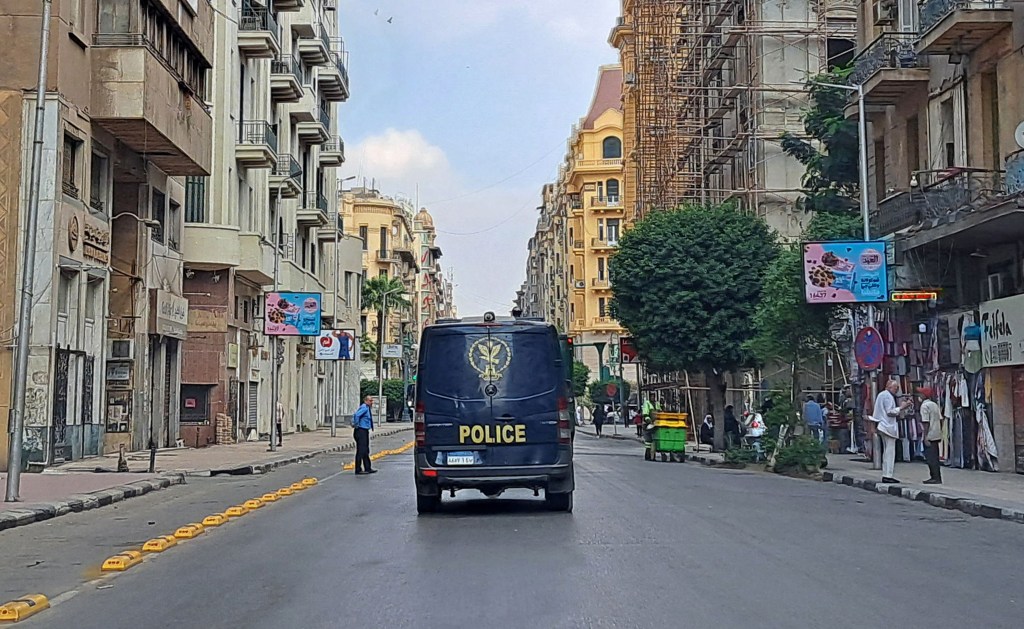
(814, 418)
(638, 421)
(931, 417)
(278, 423)
(599, 416)
(886, 412)
(362, 424)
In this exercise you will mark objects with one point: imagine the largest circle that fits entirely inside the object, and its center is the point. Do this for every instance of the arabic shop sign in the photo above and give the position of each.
(1002, 332)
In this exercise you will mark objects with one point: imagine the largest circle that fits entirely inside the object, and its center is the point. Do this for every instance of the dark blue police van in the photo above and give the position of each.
(493, 410)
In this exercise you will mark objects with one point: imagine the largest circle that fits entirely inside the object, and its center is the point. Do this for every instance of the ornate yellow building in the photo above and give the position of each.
(592, 180)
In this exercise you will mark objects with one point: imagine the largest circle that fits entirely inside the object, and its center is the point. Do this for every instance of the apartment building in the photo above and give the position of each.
(430, 281)
(545, 293)
(591, 178)
(267, 220)
(941, 84)
(710, 88)
(385, 228)
(126, 120)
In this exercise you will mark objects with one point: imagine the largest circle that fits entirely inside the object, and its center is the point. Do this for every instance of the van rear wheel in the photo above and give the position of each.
(559, 502)
(427, 504)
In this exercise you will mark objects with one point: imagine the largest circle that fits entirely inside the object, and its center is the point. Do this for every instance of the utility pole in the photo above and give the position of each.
(28, 274)
(336, 386)
(275, 384)
(380, 352)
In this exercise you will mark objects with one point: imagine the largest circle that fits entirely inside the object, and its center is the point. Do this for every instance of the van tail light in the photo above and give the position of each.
(420, 425)
(564, 422)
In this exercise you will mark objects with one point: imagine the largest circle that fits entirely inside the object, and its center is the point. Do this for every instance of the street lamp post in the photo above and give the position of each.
(335, 402)
(28, 259)
(275, 384)
(380, 347)
(862, 133)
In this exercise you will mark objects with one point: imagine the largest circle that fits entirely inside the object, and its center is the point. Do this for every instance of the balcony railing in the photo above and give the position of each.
(933, 11)
(601, 243)
(939, 193)
(97, 203)
(195, 199)
(600, 282)
(257, 132)
(337, 145)
(325, 117)
(70, 189)
(612, 200)
(255, 18)
(575, 203)
(888, 51)
(599, 162)
(288, 166)
(287, 64)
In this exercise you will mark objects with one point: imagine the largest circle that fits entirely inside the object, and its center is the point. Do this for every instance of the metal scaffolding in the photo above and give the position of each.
(716, 83)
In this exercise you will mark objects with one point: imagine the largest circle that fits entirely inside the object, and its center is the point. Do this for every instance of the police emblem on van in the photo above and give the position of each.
(490, 357)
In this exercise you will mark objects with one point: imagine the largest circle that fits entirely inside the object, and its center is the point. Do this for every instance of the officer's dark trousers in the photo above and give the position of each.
(362, 436)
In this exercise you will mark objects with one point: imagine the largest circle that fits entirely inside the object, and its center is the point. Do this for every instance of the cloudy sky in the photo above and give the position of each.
(472, 101)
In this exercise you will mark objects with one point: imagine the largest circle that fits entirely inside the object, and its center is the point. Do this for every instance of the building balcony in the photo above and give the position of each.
(286, 178)
(332, 153)
(328, 234)
(332, 77)
(147, 103)
(289, 6)
(255, 259)
(286, 80)
(577, 245)
(600, 244)
(601, 283)
(256, 146)
(211, 247)
(957, 27)
(888, 69)
(575, 202)
(259, 34)
(384, 256)
(601, 165)
(316, 132)
(314, 45)
(610, 203)
(604, 322)
(407, 255)
(313, 210)
(940, 197)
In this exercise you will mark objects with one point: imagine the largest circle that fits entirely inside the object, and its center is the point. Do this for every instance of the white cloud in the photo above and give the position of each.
(399, 156)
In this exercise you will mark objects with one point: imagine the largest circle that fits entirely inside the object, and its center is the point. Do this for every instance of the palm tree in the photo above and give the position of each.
(380, 293)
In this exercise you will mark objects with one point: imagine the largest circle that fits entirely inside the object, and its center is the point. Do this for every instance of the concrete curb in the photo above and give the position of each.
(263, 468)
(76, 503)
(970, 506)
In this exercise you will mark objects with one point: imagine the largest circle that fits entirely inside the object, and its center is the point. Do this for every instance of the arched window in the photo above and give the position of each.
(612, 189)
(611, 148)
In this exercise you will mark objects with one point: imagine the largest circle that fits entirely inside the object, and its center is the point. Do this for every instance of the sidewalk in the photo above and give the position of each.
(608, 431)
(983, 494)
(93, 483)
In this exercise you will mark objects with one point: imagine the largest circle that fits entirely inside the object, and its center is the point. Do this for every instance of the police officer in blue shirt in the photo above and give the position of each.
(362, 424)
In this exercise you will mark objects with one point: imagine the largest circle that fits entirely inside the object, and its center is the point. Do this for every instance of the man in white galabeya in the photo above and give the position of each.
(886, 412)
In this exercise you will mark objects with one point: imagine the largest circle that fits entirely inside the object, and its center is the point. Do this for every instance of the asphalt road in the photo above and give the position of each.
(649, 545)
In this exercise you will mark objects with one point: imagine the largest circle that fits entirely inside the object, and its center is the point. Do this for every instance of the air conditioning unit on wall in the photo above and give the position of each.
(580, 284)
(121, 349)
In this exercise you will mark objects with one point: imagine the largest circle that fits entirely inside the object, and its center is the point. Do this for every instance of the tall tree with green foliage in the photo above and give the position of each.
(830, 151)
(685, 283)
(580, 378)
(383, 295)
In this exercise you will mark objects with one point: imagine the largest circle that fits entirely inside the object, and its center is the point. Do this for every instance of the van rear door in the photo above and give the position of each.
(490, 395)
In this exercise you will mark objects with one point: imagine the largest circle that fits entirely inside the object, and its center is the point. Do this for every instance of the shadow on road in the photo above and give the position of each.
(474, 505)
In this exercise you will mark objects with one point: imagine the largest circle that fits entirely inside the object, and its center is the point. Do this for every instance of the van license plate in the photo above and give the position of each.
(461, 458)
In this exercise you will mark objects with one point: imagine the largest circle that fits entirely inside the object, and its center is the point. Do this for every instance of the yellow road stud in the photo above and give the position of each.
(215, 520)
(22, 608)
(270, 497)
(122, 561)
(309, 482)
(297, 486)
(159, 544)
(237, 511)
(189, 531)
(255, 503)
(285, 491)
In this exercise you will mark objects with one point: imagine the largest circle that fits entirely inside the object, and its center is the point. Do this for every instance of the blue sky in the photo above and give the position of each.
(473, 101)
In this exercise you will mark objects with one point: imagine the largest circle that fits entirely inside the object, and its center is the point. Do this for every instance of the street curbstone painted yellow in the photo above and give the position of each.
(22, 608)
(236, 511)
(255, 503)
(190, 531)
(285, 491)
(309, 482)
(215, 519)
(159, 544)
(122, 561)
(297, 486)
(270, 497)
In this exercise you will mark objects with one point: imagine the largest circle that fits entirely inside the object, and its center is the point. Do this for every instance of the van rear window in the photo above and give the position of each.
(520, 363)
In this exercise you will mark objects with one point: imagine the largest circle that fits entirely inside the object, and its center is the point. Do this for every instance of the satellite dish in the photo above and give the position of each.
(1018, 135)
